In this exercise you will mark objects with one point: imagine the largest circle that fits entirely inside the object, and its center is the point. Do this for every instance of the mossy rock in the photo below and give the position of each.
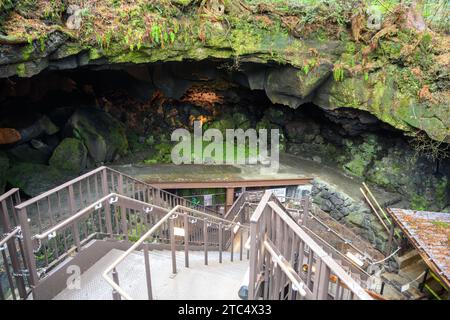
(103, 135)
(33, 179)
(291, 86)
(70, 155)
(399, 107)
(362, 155)
(227, 122)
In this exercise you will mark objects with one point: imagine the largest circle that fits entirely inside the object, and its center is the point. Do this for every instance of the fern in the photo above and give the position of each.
(306, 69)
(338, 74)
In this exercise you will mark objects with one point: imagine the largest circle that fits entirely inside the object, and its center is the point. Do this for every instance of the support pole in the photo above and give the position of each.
(229, 199)
(172, 246)
(147, 272)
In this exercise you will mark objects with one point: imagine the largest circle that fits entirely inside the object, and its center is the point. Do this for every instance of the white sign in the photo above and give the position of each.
(303, 191)
(280, 193)
(208, 200)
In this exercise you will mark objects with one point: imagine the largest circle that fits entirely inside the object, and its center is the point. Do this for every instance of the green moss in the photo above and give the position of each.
(70, 155)
(362, 155)
(118, 140)
(441, 224)
(21, 70)
(441, 193)
(33, 179)
(419, 203)
(27, 51)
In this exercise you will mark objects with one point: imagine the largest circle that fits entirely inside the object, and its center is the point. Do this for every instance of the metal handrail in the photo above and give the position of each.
(325, 257)
(92, 207)
(130, 250)
(343, 256)
(9, 235)
(59, 188)
(285, 267)
(92, 173)
(138, 243)
(329, 229)
(8, 194)
(161, 190)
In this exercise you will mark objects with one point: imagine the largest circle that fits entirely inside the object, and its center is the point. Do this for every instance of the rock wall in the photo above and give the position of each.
(306, 57)
(371, 151)
(352, 212)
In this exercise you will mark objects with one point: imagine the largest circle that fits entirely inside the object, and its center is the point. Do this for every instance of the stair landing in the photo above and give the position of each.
(198, 282)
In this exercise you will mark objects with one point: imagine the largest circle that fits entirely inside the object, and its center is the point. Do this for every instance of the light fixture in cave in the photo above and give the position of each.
(306, 267)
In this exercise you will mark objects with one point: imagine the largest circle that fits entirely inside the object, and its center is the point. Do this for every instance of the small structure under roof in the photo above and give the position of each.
(429, 232)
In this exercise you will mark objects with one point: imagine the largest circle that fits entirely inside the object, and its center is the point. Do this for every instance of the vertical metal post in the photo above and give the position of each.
(105, 189)
(172, 246)
(115, 294)
(220, 241)
(76, 231)
(382, 288)
(324, 281)
(147, 272)
(232, 243)
(390, 239)
(253, 256)
(424, 280)
(306, 208)
(12, 251)
(186, 241)
(205, 239)
(28, 248)
(241, 242)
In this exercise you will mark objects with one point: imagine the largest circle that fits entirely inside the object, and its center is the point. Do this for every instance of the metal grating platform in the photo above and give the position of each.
(192, 283)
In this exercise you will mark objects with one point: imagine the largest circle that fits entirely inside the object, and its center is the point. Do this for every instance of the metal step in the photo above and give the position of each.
(198, 282)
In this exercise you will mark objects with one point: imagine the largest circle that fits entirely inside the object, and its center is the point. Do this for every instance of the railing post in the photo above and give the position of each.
(205, 239)
(391, 238)
(105, 189)
(186, 241)
(115, 294)
(253, 262)
(306, 208)
(76, 231)
(220, 241)
(12, 250)
(324, 281)
(172, 245)
(28, 247)
(123, 217)
(232, 244)
(147, 272)
(241, 243)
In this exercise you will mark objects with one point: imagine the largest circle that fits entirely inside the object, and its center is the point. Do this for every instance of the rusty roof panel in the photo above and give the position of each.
(430, 232)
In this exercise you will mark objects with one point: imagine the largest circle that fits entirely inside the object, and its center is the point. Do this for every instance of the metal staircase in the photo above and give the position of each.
(84, 219)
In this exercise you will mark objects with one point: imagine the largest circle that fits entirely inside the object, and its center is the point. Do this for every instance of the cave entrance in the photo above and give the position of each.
(62, 123)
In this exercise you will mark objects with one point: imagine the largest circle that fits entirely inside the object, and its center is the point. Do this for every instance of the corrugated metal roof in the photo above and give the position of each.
(430, 234)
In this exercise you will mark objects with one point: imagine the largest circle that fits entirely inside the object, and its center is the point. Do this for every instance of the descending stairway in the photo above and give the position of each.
(199, 282)
(285, 262)
(404, 284)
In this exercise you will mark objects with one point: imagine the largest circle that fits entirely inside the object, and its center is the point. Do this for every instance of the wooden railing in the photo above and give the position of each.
(286, 263)
(44, 212)
(13, 263)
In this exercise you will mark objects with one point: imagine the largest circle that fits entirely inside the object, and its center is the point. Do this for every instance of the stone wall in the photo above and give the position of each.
(351, 212)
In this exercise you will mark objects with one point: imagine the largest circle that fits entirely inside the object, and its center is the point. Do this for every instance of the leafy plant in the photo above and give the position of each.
(338, 73)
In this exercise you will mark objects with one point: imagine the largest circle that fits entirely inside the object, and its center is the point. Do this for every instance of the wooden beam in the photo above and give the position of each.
(229, 184)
